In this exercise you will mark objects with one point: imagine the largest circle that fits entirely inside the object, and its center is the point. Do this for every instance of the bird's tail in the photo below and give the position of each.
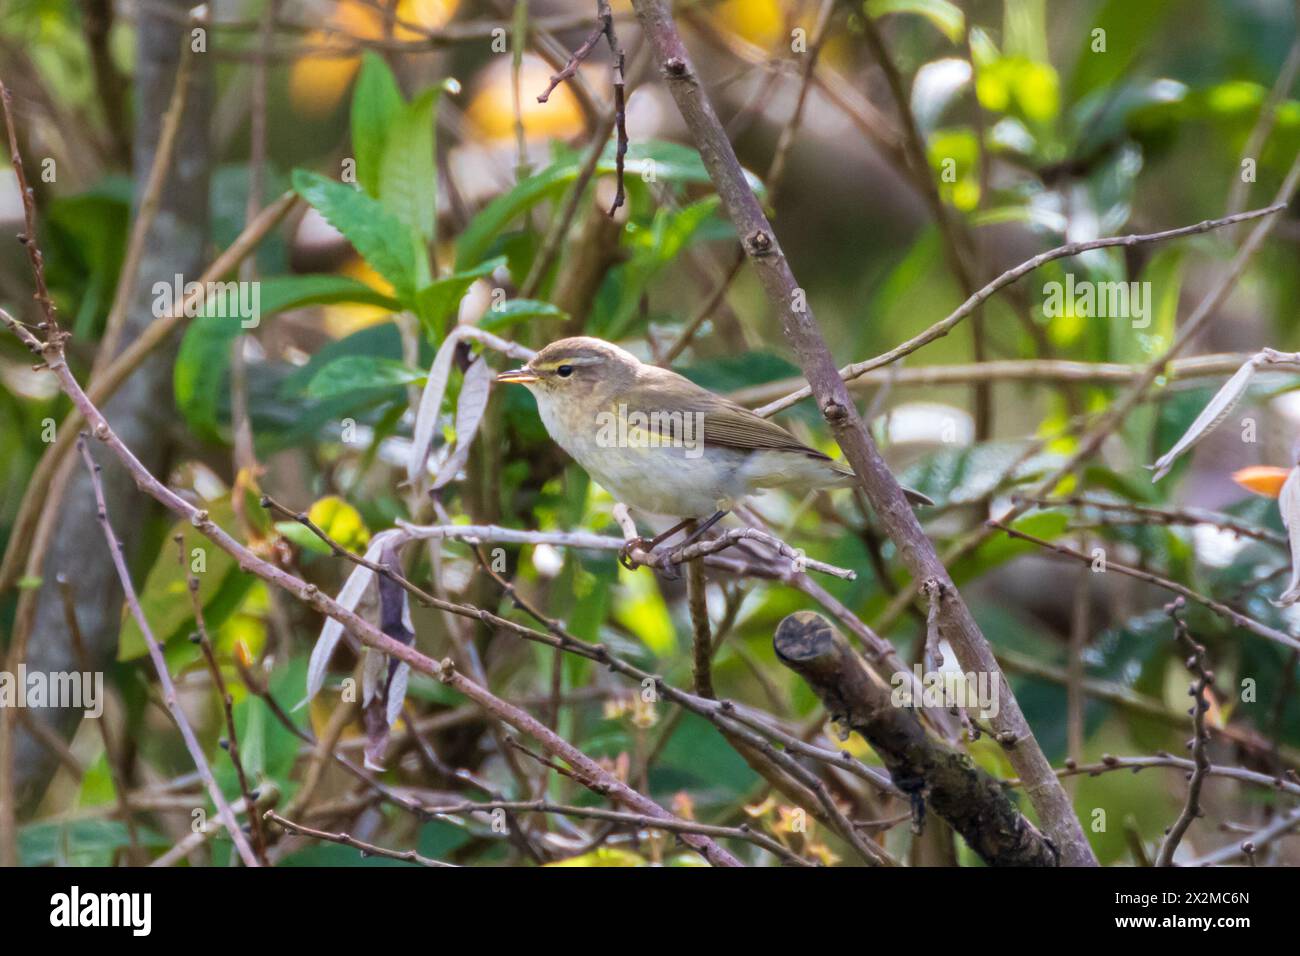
(848, 479)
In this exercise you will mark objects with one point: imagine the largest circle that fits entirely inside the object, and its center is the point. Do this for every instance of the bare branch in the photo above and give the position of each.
(160, 667)
(882, 490)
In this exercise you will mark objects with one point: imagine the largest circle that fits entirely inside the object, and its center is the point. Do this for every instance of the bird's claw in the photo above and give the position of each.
(633, 544)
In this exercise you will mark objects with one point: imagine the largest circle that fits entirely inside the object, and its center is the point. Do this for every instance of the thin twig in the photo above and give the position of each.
(227, 701)
(887, 499)
(742, 832)
(604, 28)
(1251, 845)
(347, 839)
(150, 200)
(1199, 693)
(701, 634)
(944, 326)
(160, 666)
(1231, 615)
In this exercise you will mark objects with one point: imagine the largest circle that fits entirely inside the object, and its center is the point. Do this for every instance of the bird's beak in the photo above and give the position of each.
(518, 376)
(1262, 479)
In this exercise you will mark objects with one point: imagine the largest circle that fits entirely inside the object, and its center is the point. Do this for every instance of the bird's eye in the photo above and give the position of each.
(564, 371)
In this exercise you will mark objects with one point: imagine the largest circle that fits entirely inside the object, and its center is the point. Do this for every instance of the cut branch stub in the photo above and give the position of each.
(971, 801)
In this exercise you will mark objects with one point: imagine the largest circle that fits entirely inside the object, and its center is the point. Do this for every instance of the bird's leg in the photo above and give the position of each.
(699, 532)
(664, 536)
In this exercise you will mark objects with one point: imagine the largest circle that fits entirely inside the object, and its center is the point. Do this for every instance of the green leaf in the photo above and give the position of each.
(436, 301)
(1047, 525)
(947, 17)
(495, 216)
(668, 162)
(383, 240)
(204, 355)
(653, 249)
(302, 536)
(79, 842)
(357, 373)
(408, 178)
(514, 311)
(165, 596)
(1124, 26)
(375, 102)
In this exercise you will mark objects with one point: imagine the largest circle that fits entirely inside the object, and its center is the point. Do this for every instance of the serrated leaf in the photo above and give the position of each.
(375, 102)
(383, 240)
(408, 179)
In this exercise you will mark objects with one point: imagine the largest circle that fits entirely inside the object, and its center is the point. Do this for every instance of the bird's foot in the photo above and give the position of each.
(670, 565)
(633, 544)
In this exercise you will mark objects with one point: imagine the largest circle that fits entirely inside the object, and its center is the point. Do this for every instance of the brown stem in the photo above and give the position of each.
(1199, 692)
(924, 767)
(884, 493)
(591, 774)
(160, 667)
(701, 635)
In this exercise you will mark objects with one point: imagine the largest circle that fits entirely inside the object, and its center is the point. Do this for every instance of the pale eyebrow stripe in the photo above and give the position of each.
(574, 360)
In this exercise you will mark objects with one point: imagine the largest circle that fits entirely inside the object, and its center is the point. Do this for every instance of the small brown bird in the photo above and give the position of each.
(660, 443)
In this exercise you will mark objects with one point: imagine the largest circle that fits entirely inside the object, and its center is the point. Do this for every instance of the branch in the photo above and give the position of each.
(1051, 371)
(742, 832)
(882, 490)
(1251, 845)
(701, 634)
(590, 774)
(965, 796)
(347, 839)
(604, 28)
(160, 666)
(1200, 736)
(944, 326)
(660, 558)
(1229, 614)
(201, 638)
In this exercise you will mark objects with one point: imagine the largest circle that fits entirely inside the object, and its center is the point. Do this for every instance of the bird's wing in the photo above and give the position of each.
(725, 424)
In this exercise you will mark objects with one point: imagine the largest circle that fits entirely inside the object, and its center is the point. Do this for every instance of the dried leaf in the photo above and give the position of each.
(426, 417)
(1288, 503)
(473, 401)
(1219, 407)
(349, 596)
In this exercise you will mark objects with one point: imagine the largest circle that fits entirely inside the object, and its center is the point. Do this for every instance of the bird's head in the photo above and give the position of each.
(576, 369)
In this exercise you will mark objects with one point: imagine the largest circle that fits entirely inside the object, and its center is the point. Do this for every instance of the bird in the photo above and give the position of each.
(662, 444)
